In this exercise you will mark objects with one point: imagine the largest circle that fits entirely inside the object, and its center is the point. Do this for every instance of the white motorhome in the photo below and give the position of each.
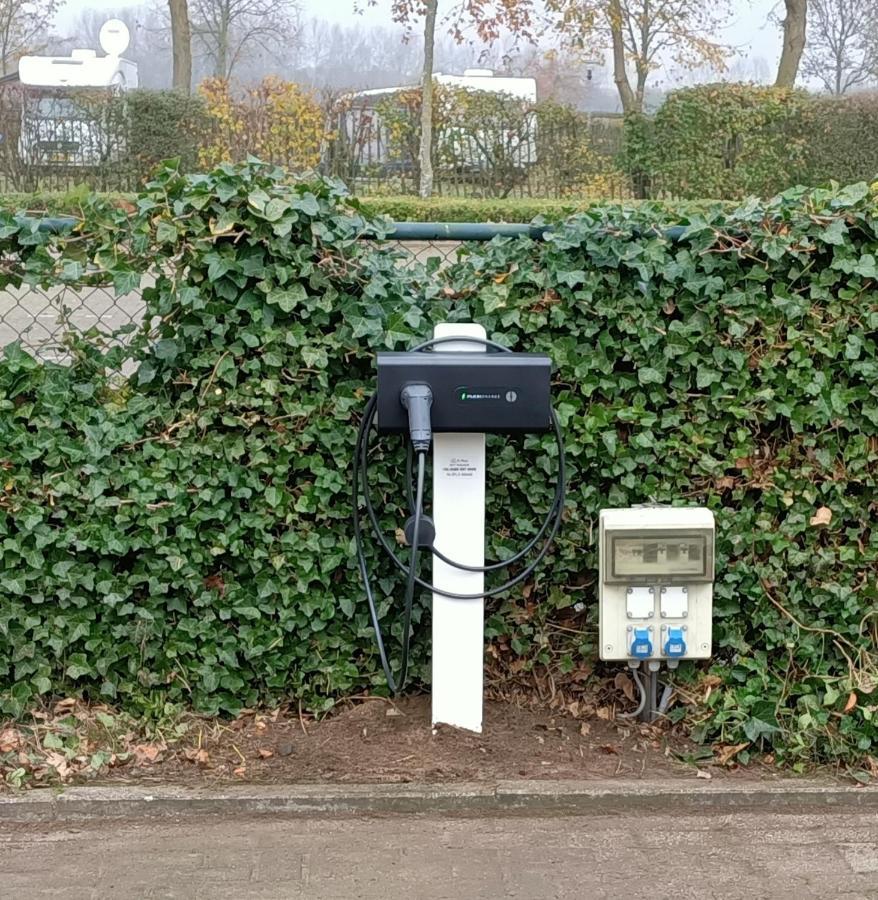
(65, 114)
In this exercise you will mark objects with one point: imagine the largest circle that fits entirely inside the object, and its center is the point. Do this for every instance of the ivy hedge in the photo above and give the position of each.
(185, 536)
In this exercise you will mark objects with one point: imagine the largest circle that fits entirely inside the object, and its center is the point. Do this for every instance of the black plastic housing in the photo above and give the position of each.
(499, 393)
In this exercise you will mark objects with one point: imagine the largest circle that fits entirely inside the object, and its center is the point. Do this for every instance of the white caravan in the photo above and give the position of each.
(65, 116)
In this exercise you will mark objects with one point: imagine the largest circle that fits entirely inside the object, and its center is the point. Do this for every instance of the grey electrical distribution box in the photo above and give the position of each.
(656, 571)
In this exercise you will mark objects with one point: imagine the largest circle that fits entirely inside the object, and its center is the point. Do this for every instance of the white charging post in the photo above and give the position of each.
(459, 517)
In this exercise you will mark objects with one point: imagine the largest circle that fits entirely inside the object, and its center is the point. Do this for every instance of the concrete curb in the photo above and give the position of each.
(599, 797)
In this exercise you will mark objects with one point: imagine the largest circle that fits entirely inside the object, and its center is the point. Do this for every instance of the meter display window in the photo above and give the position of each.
(658, 555)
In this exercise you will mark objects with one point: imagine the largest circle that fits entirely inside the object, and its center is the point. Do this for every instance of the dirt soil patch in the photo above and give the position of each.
(379, 741)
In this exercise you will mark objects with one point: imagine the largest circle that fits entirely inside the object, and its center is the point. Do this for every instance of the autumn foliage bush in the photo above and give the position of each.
(278, 121)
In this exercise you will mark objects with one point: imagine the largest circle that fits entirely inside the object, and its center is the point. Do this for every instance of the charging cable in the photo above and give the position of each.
(417, 400)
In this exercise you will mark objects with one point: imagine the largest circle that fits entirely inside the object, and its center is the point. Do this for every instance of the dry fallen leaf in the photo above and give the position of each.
(59, 763)
(392, 711)
(63, 705)
(146, 753)
(727, 753)
(823, 516)
(624, 683)
(703, 773)
(852, 702)
(241, 771)
(265, 754)
(584, 729)
(10, 739)
(199, 757)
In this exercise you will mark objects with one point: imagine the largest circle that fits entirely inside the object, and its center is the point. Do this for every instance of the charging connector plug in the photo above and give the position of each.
(418, 399)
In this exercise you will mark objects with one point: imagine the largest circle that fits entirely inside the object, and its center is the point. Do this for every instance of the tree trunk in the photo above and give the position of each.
(222, 54)
(181, 41)
(793, 42)
(425, 154)
(620, 73)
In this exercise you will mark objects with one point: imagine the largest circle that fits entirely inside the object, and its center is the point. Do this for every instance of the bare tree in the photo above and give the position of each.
(644, 34)
(425, 160)
(794, 25)
(840, 52)
(329, 54)
(24, 28)
(181, 43)
(227, 30)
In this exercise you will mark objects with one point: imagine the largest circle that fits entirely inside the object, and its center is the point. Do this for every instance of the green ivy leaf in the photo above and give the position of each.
(288, 298)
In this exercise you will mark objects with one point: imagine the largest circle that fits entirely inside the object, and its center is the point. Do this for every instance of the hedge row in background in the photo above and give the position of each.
(732, 140)
(720, 141)
(399, 208)
(187, 536)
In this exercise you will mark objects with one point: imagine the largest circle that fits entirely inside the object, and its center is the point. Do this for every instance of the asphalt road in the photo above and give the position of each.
(749, 855)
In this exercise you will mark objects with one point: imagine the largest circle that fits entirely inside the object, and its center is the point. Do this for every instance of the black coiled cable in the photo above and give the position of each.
(551, 524)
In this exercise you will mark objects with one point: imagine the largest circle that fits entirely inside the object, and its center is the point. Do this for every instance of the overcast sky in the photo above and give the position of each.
(750, 32)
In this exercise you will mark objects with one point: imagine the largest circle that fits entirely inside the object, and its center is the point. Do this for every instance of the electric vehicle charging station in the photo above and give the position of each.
(449, 392)
(656, 572)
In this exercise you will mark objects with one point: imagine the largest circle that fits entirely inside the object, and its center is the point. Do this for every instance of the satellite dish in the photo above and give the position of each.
(114, 37)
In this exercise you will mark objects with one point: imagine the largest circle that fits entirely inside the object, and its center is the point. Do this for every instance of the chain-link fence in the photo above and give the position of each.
(40, 317)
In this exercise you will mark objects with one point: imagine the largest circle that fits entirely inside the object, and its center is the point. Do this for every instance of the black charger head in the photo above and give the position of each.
(497, 393)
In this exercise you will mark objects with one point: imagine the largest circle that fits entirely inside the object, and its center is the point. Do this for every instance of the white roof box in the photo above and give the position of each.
(81, 69)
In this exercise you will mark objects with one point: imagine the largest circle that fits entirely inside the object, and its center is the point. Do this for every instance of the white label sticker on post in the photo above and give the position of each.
(459, 517)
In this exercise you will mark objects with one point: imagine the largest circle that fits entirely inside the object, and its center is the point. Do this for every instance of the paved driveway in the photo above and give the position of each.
(747, 856)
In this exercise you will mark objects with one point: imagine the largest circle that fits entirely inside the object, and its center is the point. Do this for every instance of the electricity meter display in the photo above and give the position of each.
(660, 555)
